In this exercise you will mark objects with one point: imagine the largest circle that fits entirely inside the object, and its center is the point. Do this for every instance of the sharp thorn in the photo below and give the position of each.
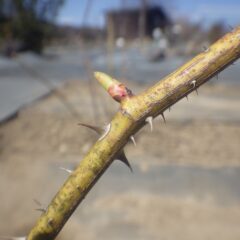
(205, 49)
(217, 76)
(193, 83)
(163, 117)
(196, 91)
(169, 109)
(122, 157)
(106, 131)
(40, 210)
(133, 140)
(98, 130)
(50, 221)
(150, 121)
(186, 97)
(66, 170)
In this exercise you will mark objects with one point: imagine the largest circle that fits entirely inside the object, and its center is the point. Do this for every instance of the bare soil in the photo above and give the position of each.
(203, 132)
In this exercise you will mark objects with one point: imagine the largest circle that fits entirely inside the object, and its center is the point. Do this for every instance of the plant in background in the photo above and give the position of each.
(29, 21)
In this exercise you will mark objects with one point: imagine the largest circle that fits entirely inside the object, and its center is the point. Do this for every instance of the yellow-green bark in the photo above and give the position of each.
(128, 120)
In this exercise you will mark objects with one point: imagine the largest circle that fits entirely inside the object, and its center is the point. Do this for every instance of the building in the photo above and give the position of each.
(128, 23)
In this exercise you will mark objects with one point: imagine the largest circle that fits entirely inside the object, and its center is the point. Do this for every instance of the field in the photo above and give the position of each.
(185, 183)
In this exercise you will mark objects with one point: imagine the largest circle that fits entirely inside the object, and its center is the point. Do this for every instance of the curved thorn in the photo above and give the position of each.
(66, 170)
(106, 131)
(122, 157)
(98, 130)
(150, 121)
(163, 117)
(133, 140)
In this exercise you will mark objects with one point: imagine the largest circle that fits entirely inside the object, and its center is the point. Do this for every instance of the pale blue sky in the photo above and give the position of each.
(207, 11)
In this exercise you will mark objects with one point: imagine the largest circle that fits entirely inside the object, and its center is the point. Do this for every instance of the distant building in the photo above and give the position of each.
(127, 22)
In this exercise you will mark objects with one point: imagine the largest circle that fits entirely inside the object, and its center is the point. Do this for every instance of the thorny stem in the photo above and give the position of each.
(127, 121)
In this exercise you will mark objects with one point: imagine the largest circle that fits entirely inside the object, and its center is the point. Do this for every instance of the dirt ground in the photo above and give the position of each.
(203, 132)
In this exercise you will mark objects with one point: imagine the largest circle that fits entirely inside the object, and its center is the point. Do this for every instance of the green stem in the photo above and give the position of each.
(127, 121)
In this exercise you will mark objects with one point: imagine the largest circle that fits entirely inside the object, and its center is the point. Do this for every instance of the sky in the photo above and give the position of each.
(206, 11)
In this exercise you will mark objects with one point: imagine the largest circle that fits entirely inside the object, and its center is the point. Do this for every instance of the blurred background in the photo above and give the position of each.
(185, 183)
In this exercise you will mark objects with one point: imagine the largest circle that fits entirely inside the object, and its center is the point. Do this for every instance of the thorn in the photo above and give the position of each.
(205, 49)
(106, 131)
(193, 83)
(98, 130)
(122, 157)
(217, 76)
(163, 117)
(186, 97)
(133, 140)
(150, 121)
(40, 210)
(50, 222)
(169, 109)
(196, 91)
(66, 170)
